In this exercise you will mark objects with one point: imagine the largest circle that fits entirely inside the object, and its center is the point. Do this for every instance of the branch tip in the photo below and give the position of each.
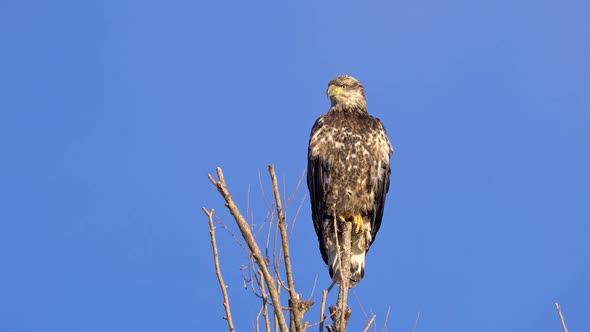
(222, 284)
(561, 317)
(370, 323)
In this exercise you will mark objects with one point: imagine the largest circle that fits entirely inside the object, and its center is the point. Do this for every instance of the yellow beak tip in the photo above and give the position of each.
(334, 91)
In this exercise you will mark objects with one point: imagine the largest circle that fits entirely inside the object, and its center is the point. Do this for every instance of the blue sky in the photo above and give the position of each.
(113, 113)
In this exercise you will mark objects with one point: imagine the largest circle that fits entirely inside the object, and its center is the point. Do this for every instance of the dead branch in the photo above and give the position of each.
(370, 323)
(361, 306)
(295, 299)
(256, 253)
(268, 277)
(296, 215)
(264, 302)
(234, 237)
(561, 317)
(323, 309)
(341, 313)
(228, 316)
(301, 178)
(385, 328)
(345, 276)
(416, 322)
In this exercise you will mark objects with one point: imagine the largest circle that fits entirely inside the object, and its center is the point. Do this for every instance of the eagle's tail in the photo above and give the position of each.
(357, 265)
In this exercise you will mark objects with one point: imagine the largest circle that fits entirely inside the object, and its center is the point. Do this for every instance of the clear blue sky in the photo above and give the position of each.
(112, 113)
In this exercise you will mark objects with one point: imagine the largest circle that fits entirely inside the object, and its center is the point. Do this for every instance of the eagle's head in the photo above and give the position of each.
(347, 92)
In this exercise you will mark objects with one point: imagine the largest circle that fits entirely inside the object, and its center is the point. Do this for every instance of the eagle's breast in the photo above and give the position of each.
(353, 146)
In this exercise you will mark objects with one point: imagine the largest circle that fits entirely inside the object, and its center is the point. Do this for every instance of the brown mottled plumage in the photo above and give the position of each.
(348, 173)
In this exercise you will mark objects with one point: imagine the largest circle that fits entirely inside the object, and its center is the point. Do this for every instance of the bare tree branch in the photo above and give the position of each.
(361, 306)
(315, 283)
(264, 303)
(249, 238)
(228, 316)
(323, 317)
(234, 237)
(295, 299)
(416, 322)
(370, 323)
(323, 309)
(341, 312)
(561, 317)
(344, 311)
(385, 328)
(262, 191)
(294, 220)
(266, 277)
(290, 199)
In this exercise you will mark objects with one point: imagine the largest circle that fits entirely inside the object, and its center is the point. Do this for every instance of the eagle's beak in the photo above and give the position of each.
(335, 91)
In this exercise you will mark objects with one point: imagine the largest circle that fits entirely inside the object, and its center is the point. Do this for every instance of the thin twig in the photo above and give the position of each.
(294, 221)
(315, 283)
(234, 237)
(262, 191)
(323, 318)
(268, 221)
(323, 309)
(293, 194)
(561, 317)
(276, 254)
(295, 299)
(370, 323)
(385, 328)
(264, 303)
(361, 305)
(249, 238)
(416, 322)
(248, 205)
(228, 316)
(258, 319)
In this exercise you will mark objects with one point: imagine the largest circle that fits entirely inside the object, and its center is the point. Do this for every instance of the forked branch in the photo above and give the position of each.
(255, 250)
(269, 283)
(228, 316)
(297, 311)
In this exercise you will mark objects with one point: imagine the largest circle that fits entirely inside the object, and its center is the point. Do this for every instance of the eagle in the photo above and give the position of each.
(348, 174)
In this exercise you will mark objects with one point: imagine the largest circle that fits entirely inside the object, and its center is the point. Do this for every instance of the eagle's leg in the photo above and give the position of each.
(357, 220)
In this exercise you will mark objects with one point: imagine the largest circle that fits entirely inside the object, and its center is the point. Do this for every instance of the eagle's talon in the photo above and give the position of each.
(357, 221)
(359, 224)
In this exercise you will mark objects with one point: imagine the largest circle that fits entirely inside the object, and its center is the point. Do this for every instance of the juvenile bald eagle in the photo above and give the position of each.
(347, 174)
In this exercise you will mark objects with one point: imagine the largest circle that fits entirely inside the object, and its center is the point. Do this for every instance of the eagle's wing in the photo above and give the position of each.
(382, 187)
(317, 183)
(376, 214)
